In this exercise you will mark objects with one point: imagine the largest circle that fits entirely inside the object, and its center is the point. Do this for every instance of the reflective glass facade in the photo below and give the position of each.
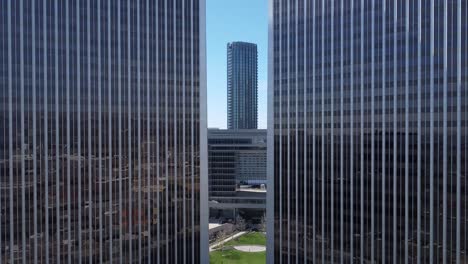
(101, 145)
(235, 157)
(242, 85)
(368, 129)
(236, 170)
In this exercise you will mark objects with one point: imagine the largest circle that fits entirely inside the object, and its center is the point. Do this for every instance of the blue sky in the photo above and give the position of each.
(234, 20)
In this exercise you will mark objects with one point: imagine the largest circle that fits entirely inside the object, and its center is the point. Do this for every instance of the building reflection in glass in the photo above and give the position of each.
(100, 129)
(369, 131)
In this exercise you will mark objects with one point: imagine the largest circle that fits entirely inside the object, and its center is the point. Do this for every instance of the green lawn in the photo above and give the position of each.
(232, 256)
(253, 238)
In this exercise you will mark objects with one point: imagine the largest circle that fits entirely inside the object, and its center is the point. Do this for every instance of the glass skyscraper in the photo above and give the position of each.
(242, 85)
(368, 118)
(103, 131)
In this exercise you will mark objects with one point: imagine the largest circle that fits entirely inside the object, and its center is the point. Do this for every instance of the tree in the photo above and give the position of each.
(240, 223)
(220, 239)
(263, 223)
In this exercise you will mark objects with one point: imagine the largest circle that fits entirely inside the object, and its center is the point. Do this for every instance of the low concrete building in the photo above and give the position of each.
(237, 173)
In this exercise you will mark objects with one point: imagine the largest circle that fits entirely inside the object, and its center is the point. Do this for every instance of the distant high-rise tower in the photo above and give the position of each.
(103, 131)
(242, 85)
(368, 131)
